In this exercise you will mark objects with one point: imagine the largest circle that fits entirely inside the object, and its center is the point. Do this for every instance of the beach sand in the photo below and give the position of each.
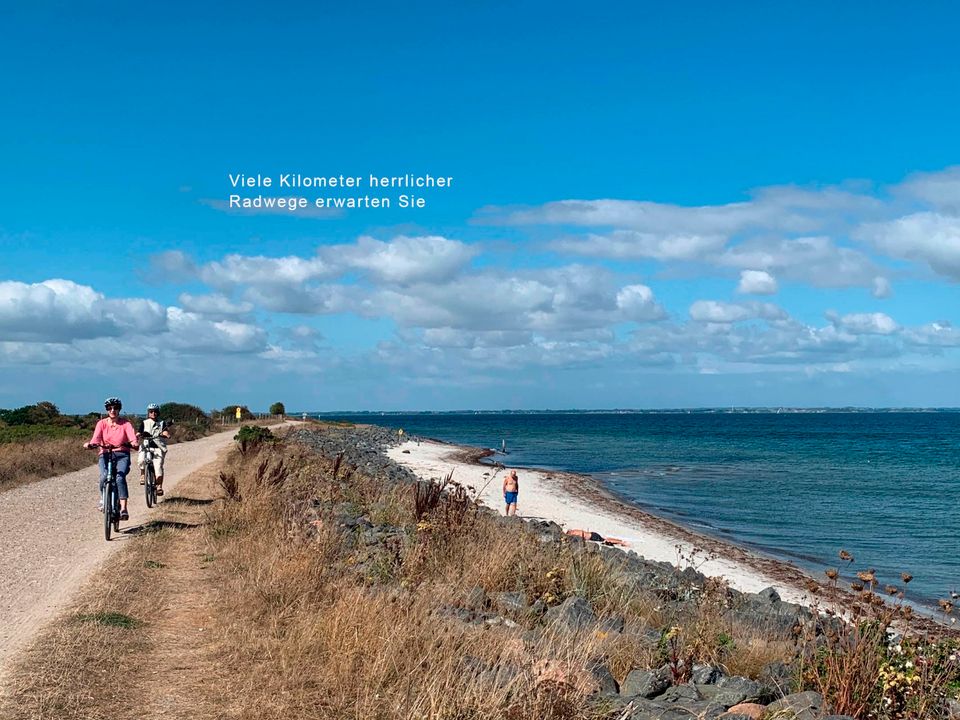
(578, 502)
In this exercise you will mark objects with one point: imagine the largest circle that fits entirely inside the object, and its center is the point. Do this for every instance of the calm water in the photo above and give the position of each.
(883, 486)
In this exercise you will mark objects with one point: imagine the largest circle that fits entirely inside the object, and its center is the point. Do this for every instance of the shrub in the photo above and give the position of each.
(183, 413)
(252, 436)
(278, 409)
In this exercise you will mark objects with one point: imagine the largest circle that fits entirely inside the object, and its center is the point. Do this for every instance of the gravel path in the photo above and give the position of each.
(51, 538)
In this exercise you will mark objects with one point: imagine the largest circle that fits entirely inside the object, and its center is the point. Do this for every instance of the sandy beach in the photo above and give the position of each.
(577, 502)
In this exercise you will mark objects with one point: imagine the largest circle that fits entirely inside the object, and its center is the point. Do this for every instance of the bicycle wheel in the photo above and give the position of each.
(116, 507)
(107, 502)
(150, 485)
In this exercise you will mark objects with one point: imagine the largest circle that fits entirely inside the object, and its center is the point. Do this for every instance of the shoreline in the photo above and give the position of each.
(576, 501)
(579, 502)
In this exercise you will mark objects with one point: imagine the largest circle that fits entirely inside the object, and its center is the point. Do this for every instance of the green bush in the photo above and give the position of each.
(183, 413)
(230, 413)
(278, 408)
(251, 436)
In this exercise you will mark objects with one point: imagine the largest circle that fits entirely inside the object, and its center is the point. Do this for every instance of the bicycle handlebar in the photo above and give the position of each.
(124, 446)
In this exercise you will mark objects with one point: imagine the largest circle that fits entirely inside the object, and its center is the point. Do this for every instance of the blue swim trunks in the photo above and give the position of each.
(510, 497)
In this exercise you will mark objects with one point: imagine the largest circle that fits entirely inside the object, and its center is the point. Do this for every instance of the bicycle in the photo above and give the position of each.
(109, 496)
(148, 444)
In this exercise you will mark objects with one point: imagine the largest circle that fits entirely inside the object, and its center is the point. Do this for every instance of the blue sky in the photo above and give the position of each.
(652, 206)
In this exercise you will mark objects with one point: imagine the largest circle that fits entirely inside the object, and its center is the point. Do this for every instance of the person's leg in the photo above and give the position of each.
(512, 510)
(123, 467)
(158, 470)
(140, 463)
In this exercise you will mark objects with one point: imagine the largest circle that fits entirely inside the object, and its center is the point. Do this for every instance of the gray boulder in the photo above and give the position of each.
(646, 683)
(574, 613)
(804, 706)
(705, 674)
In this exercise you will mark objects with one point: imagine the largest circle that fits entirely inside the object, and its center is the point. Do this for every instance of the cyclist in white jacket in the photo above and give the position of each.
(155, 433)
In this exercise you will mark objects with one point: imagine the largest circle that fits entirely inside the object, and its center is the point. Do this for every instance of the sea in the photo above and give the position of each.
(796, 486)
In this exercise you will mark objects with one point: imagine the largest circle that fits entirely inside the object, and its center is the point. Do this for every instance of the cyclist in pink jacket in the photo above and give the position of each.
(117, 432)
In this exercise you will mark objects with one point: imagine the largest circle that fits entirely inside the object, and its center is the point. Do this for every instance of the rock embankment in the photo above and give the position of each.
(670, 691)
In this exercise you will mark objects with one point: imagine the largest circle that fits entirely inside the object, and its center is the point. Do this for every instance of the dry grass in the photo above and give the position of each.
(134, 646)
(318, 628)
(73, 670)
(22, 463)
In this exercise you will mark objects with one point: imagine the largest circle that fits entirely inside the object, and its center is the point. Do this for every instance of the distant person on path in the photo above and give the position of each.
(511, 488)
(154, 431)
(118, 432)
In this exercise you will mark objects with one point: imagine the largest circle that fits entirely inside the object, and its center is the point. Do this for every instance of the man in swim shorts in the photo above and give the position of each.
(511, 488)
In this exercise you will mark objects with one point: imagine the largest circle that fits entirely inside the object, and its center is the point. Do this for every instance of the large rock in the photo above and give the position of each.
(705, 674)
(574, 613)
(731, 691)
(606, 683)
(777, 679)
(646, 683)
(804, 706)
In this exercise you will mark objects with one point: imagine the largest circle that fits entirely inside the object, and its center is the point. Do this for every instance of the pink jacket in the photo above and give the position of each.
(106, 433)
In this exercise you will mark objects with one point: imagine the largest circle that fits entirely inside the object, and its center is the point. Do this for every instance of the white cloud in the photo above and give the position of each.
(864, 323)
(629, 245)
(404, 259)
(61, 310)
(925, 236)
(756, 282)
(192, 333)
(936, 334)
(636, 303)
(236, 270)
(881, 288)
(712, 311)
(214, 304)
(814, 260)
(940, 190)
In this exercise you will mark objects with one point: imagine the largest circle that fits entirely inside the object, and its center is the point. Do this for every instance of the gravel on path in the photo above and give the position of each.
(51, 538)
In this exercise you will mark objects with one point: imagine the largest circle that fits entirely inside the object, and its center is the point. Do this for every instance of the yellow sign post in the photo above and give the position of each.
(238, 413)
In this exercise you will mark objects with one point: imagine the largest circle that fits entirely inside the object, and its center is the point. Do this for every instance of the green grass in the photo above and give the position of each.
(111, 619)
(25, 433)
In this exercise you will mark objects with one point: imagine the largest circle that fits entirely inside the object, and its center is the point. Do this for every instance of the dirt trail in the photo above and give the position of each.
(51, 540)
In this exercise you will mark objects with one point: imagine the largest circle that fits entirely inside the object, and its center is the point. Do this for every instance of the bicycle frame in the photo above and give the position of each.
(110, 496)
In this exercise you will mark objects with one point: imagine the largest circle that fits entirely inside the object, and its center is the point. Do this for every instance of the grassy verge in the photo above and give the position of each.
(369, 621)
(135, 646)
(314, 590)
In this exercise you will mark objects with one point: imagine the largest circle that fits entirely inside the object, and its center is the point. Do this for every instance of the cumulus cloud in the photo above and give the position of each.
(939, 190)
(712, 311)
(214, 304)
(636, 303)
(61, 311)
(936, 334)
(404, 259)
(756, 282)
(864, 323)
(236, 270)
(927, 237)
(629, 245)
(190, 332)
(818, 261)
